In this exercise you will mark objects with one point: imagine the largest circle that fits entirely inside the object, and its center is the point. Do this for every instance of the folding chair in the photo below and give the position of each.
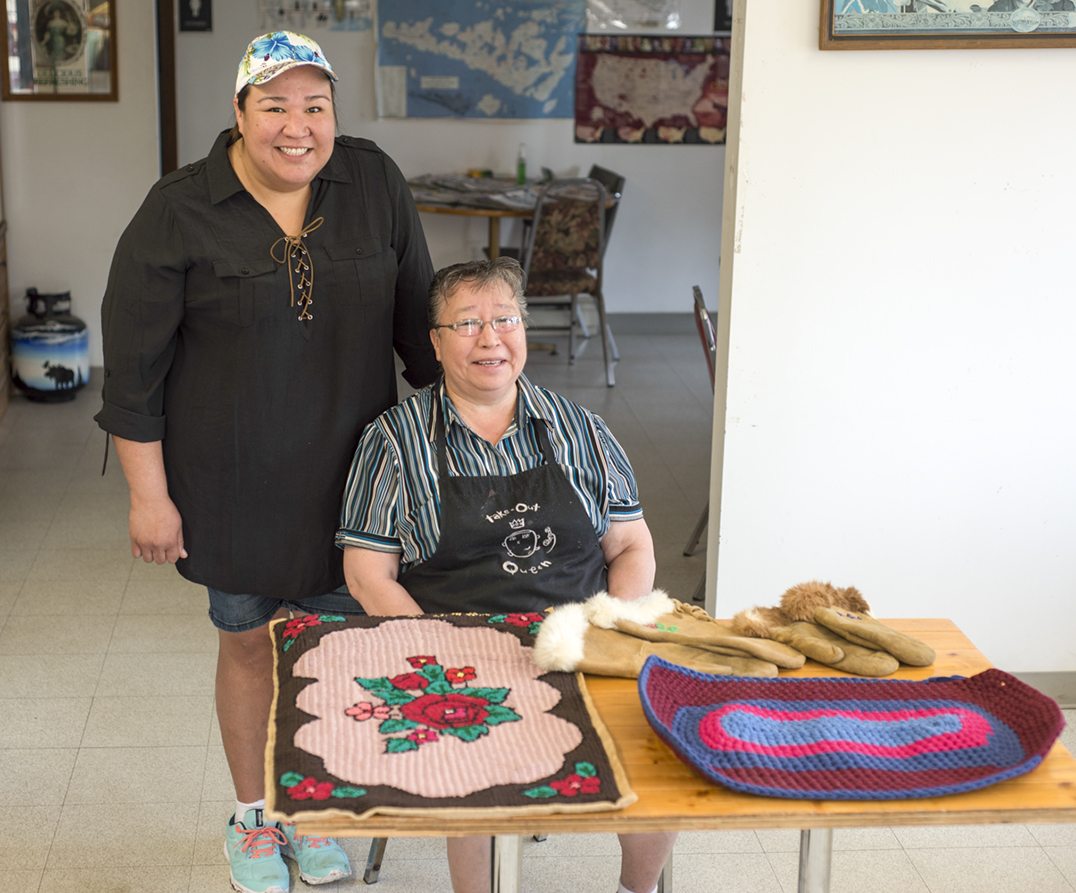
(614, 190)
(564, 256)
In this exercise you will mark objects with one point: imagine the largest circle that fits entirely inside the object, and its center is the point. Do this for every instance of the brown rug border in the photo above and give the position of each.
(626, 795)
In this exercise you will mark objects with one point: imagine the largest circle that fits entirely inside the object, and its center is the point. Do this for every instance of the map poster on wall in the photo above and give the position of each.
(629, 15)
(477, 58)
(305, 16)
(663, 90)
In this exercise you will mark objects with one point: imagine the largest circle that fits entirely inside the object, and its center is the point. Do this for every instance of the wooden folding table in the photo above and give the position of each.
(672, 797)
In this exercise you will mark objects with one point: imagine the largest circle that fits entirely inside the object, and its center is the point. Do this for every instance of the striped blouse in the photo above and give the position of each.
(392, 499)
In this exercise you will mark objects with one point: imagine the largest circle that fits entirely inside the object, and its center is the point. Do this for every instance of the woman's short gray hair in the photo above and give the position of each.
(479, 273)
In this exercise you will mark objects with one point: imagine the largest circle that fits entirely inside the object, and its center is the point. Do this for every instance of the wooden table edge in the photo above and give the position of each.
(798, 814)
(464, 211)
(607, 822)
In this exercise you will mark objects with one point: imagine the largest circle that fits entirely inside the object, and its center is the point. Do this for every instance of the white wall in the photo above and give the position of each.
(901, 413)
(75, 173)
(667, 230)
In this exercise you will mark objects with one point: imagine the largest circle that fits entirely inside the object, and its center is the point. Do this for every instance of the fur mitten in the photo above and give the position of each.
(801, 601)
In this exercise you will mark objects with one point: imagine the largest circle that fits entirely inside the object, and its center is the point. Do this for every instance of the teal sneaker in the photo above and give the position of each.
(320, 859)
(253, 852)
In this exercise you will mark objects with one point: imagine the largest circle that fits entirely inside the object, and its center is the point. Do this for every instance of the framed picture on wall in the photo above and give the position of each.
(647, 90)
(59, 50)
(946, 24)
(722, 15)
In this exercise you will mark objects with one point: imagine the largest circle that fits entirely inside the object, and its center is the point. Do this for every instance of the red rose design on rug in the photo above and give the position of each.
(583, 781)
(432, 708)
(298, 625)
(576, 784)
(409, 680)
(311, 787)
(448, 711)
(441, 706)
(460, 674)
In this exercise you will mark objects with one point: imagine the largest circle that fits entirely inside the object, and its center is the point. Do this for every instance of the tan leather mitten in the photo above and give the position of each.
(847, 613)
(609, 652)
(658, 618)
(806, 638)
(865, 630)
(817, 642)
(568, 641)
(854, 659)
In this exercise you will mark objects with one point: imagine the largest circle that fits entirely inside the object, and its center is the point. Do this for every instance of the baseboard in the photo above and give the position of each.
(652, 323)
(1060, 686)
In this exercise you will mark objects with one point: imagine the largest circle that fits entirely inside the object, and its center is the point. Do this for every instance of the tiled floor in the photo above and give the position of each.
(112, 776)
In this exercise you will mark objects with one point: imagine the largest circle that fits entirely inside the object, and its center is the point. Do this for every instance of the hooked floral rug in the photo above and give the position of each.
(440, 715)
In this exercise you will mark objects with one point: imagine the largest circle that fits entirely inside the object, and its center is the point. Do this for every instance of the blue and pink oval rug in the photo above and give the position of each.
(850, 739)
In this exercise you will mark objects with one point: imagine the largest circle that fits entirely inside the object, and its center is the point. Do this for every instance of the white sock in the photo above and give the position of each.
(622, 889)
(241, 808)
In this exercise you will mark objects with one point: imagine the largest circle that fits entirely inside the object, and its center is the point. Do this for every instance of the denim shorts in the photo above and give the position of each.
(239, 613)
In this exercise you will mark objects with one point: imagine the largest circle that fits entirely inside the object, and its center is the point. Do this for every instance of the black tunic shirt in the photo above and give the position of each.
(259, 412)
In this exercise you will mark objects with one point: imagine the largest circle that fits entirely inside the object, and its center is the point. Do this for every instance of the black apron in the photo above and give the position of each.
(514, 543)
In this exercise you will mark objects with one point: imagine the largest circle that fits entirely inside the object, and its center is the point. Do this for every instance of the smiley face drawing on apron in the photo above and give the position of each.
(519, 543)
(528, 551)
(523, 543)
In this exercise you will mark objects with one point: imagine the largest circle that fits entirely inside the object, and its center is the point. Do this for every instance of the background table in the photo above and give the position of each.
(490, 197)
(672, 797)
(494, 215)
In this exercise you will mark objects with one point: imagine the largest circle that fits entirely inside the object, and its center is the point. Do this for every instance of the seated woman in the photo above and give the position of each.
(484, 493)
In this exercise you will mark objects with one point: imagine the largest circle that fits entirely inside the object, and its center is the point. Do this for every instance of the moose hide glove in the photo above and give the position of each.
(569, 640)
(818, 643)
(658, 618)
(865, 630)
(847, 613)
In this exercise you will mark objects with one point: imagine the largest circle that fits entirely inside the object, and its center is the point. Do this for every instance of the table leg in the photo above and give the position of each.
(374, 859)
(494, 237)
(816, 853)
(666, 877)
(507, 864)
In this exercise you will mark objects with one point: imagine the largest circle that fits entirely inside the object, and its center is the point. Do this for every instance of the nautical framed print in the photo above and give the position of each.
(946, 24)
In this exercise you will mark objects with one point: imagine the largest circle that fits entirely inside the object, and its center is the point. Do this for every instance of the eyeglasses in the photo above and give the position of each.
(469, 328)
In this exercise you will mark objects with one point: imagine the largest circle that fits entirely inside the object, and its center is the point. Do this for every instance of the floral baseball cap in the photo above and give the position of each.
(274, 53)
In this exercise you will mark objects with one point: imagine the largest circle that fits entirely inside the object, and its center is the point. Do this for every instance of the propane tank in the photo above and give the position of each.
(50, 349)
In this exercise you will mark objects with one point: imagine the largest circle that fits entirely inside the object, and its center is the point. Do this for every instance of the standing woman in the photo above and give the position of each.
(251, 314)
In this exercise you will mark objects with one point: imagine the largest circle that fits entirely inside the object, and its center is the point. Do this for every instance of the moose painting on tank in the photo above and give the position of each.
(49, 348)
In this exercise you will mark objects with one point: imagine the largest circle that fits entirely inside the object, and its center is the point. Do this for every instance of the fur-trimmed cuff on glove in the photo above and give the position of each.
(604, 611)
(610, 637)
(559, 645)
